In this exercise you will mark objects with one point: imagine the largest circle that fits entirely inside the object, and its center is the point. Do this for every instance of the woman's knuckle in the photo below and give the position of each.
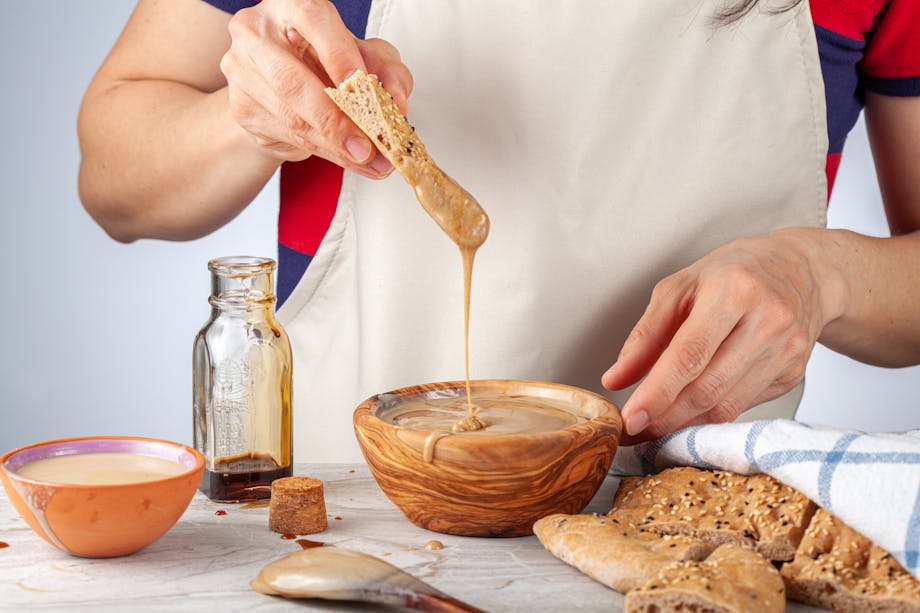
(780, 314)
(325, 121)
(707, 391)
(286, 81)
(663, 288)
(692, 356)
(727, 409)
(242, 24)
(291, 121)
(743, 281)
(792, 376)
(639, 334)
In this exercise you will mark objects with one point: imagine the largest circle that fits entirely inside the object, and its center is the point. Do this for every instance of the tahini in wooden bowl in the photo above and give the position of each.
(482, 484)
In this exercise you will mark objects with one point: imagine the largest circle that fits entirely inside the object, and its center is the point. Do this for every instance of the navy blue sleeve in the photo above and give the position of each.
(353, 12)
(232, 6)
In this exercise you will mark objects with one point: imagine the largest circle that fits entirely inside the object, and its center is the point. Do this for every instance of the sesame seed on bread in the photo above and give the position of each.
(616, 553)
(838, 568)
(363, 98)
(719, 507)
(733, 579)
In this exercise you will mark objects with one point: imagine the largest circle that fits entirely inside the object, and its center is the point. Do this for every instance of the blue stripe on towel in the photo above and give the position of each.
(912, 542)
(826, 473)
(793, 456)
(775, 459)
(694, 453)
(648, 453)
(750, 442)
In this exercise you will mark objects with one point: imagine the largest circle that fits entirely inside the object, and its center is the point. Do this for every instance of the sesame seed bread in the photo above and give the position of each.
(363, 98)
(838, 568)
(718, 507)
(733, 579)
(616, 553)
(654, 543)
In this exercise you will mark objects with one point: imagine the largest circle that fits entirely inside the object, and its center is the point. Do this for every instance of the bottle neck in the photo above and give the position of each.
(242, 283)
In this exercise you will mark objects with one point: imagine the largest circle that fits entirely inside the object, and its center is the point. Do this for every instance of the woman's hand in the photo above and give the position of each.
(731, 331)
(283, 53)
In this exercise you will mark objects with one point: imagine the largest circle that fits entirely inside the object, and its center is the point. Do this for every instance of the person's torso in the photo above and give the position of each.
(611, 145)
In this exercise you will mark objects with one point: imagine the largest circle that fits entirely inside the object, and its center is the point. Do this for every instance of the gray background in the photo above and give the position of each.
(97, 336)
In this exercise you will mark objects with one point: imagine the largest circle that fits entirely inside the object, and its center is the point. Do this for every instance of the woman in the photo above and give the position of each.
(621, 149)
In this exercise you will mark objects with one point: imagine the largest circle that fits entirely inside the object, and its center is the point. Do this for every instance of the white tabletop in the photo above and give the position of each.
(207, 560)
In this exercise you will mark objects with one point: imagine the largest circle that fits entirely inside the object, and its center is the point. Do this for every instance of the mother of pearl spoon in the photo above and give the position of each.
(331, 573)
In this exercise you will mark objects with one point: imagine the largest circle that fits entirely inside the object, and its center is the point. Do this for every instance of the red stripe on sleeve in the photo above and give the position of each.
(831, 167)
(894, 49)
(851, 18)
(309, 196)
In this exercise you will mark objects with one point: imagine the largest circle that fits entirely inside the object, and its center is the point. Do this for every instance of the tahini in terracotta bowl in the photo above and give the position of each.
(155, 482)
(488, 482)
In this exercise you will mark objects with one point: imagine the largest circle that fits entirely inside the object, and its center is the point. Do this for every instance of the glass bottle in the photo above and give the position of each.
(242, 384)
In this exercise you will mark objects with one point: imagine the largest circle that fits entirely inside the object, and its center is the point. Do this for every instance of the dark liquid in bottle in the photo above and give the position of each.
(240, 478)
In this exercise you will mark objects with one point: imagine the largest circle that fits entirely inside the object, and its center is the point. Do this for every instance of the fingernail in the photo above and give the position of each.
(636, 423)
(381, 164)
(359, 148)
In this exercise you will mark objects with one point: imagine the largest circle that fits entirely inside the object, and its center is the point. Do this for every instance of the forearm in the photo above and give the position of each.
(877, 281)
(164, 160)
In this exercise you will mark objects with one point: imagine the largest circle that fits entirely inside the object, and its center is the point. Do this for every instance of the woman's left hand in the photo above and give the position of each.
(731, 331)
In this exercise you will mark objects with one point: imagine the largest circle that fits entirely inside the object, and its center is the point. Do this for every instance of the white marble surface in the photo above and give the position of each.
(206, 561)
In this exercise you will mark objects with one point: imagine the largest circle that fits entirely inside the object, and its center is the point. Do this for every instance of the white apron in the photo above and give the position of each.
(611, 143)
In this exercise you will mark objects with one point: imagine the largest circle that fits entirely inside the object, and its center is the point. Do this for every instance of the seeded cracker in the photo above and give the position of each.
(838, 568)
(732, 579)
(616, 553)
(363, 98)
(718, 507)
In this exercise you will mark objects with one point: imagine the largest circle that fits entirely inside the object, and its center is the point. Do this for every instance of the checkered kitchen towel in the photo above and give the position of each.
(870, 481)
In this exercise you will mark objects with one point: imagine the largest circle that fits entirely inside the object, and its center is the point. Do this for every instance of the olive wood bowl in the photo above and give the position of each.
(489, 485)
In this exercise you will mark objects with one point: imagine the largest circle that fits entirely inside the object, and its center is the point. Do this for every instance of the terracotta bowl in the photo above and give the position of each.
(489, 485)
(101, 521)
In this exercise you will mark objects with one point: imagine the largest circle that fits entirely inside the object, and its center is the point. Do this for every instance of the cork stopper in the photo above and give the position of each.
(297, 506)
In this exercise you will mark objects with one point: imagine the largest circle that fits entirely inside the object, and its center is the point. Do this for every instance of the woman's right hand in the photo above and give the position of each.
(283, 54)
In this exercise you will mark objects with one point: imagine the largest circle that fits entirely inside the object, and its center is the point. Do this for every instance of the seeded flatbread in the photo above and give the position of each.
(840, 569)
(616, 553)
(719, 507)
(733, 579)
(363, 98)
